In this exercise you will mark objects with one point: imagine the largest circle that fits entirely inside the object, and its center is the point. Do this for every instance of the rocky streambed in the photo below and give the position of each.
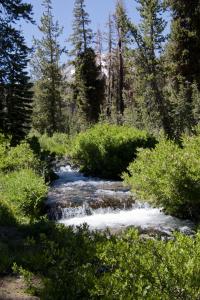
(75, 199)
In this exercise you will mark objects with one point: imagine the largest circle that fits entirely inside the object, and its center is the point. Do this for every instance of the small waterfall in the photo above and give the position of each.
(75, 199)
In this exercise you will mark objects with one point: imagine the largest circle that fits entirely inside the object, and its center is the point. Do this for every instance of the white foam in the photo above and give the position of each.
(140, 217)
(111, 193)
(73, 185)
(69, 177)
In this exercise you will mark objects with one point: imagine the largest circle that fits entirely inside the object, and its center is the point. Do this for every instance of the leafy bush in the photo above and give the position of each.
(6, 214)
(136, 268)
(103, 266)
(69, 258)
(57, 144)
(106, 150)
(4, 141)
(169, 177)
(16, 158)
(4, 147)
(24, 191)
(60, 257)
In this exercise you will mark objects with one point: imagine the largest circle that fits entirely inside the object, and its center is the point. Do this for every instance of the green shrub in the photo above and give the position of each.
(24, 191)
(4, 147)
(68, 257)
(136, 268)
(6, 215)
(16, 158)
(4, 141)
(57, 144)
(60, 256)
(169, 177)
(103, 266)
(106, 150)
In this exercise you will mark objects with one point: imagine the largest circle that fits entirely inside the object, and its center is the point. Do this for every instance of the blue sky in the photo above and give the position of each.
(63, 12)
(98, 10)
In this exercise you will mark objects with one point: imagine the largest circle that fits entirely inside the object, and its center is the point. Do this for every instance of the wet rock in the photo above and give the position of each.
(56, 210)
(113, 202)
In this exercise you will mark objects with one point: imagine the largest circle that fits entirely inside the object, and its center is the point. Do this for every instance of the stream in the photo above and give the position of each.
(75, 199)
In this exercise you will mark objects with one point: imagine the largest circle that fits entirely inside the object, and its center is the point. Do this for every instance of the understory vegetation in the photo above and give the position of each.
(58, 144)
(169, 176)
(103, 266)
(22, 182)
(106, 150)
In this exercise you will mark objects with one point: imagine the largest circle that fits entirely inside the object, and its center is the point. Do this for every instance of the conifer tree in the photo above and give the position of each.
(47, 114)
(183, 63)
(184, 46)
(110, 67)
(15, 98)
(81, 37)
(120, 16)
(88, 86)
(149, 38)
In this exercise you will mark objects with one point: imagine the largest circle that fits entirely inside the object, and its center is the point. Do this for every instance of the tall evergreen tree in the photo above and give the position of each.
(109, 65)
(47, 114)
(88, 85)
(13, 10)
(81, 37)
(183, 63)
(15, 98)
(184, 46)
(120, 16)
(149, 37)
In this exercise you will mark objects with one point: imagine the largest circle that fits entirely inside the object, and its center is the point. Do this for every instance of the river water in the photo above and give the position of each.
(75, 199)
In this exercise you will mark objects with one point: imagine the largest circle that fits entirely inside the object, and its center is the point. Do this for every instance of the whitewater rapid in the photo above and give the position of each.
(75, 199)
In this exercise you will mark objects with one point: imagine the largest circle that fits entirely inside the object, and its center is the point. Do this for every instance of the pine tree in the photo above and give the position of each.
(14, 10)
(149, 38)
(47, 115)
(120, 17)
(183, 63)
(109, 64)
(16, 97)
(82, 35)
(88, 86)
(184, 46)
